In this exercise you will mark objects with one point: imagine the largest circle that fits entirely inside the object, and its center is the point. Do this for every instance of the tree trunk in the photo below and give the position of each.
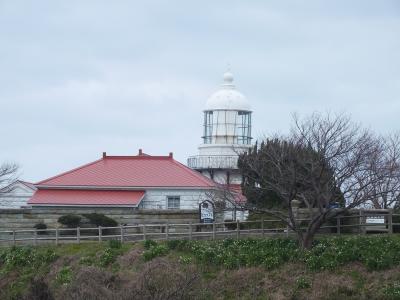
(308, 236)
(306, 242)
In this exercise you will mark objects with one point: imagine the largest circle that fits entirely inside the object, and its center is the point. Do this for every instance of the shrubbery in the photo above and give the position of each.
(153, 249)
(40, 227)
(376, 253)
(71, 221)
(100, 220)
(22, 256)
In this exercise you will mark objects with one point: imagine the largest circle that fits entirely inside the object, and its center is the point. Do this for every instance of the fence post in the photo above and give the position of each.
(56, 236)
(338, 224)
(287, 230)
(262, 227)
(190, 231)
(213, 233)
(100, 233)
(390, 222)
(35, 236)
(14, 242)
(144, 232)
(360, 227)
(237, 229)
(78, 234)
(166, 231)
(122, 233)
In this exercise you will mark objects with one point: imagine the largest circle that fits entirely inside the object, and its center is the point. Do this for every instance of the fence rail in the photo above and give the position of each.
(236, 229)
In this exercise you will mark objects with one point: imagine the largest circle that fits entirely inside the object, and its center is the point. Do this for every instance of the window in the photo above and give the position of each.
(208, 127)
(173, 202)
(244, 128)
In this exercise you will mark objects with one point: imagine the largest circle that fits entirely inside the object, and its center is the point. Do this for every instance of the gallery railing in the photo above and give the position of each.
(213, 162)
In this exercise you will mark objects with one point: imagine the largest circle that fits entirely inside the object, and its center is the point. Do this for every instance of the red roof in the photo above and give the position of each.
(237, 193)
(86, 197)
(131, 171)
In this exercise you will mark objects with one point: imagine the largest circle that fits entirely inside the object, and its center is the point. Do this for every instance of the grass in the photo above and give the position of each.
(358, 267)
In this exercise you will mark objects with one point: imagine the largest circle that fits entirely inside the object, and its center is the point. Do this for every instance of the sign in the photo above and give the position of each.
(206, 210)
(375, 220)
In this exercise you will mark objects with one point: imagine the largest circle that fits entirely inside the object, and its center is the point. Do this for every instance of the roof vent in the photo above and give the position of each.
(104, 154)
(171, 155)
(140, 152)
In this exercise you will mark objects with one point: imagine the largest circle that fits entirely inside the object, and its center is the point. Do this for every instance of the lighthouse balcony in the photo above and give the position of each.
(202, 162)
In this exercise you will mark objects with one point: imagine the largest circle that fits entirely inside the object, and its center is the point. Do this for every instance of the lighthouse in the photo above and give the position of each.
(226, 134)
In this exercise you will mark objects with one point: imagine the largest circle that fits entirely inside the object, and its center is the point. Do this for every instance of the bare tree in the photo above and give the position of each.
(8, 175)
(388, 189)
(327, 165)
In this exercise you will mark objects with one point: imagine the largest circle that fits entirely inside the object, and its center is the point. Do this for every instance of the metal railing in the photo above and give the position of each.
(213, 162)
(191, 231)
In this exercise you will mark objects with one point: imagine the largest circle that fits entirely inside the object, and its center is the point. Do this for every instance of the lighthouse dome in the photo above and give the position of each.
(227, 97)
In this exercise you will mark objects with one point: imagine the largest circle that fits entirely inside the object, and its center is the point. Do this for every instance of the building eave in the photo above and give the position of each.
(121, 188)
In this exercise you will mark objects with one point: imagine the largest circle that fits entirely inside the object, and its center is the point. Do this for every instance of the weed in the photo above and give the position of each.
(155, 251)
(114, 244)
(303, 283)
(64, 276)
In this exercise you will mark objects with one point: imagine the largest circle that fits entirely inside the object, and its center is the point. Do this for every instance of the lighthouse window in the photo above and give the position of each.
(208, 127)
(173, 202)
(243, 127)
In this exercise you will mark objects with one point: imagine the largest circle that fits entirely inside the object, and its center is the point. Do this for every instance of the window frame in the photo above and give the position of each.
(174, 198)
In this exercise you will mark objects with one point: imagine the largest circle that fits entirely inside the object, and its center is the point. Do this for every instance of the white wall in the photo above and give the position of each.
(220, 176)
(157, 198)
(17, 197)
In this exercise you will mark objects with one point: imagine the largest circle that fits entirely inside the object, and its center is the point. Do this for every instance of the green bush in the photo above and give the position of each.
(22, 256)
(179, 245)
(155, 251)
(101, 220)
(149, 243)
(108, 256)
(41, 227)
(375, 252)
(71, 221)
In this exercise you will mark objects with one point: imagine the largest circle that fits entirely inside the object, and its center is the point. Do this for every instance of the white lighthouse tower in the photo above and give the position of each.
(226, 134)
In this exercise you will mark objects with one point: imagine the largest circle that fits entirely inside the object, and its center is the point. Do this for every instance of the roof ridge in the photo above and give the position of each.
(68, 172)
(143, 156)
(27, 184)
(195, 174)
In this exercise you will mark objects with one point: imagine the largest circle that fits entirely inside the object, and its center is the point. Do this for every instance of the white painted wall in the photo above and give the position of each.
(17, 197)
(157, 198)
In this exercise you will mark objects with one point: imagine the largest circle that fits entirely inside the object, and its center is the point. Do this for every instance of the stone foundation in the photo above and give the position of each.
(26, 218)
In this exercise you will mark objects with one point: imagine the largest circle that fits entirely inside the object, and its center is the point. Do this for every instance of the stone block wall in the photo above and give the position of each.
(26, 218)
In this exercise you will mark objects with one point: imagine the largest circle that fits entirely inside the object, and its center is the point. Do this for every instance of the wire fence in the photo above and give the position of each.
(354, 224)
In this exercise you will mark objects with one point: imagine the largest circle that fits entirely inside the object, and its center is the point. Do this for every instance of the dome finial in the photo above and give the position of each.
(228, 76)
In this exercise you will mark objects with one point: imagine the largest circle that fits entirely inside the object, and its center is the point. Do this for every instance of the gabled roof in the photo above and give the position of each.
(87, 198)
(12, 186)
(141, 171)
(28, 184)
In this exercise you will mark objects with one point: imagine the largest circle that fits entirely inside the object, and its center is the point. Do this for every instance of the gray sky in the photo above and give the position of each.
(81, 77)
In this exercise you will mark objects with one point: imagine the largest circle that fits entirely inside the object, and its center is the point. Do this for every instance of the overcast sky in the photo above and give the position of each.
(81, 77)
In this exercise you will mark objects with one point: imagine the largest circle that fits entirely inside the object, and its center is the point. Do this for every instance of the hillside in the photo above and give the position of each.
(336, 268)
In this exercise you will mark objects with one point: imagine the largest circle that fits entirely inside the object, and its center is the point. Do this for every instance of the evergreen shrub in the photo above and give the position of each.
(70, 220)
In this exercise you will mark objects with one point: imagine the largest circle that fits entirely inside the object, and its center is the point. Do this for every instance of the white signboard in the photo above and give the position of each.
(375, 220)
(206, 209)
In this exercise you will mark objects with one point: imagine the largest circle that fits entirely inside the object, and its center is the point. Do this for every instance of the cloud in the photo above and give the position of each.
(79, 78)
